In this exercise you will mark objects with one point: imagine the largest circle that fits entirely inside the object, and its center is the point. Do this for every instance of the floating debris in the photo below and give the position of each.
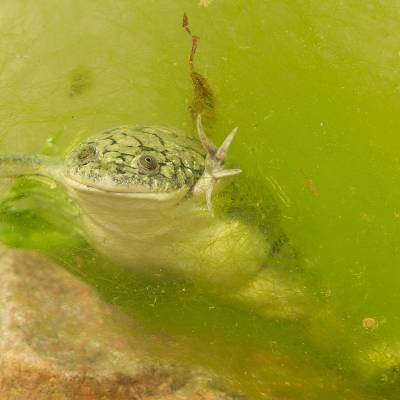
(279, 191)
(80, 81)
(205, 3)
(369, 323)
(309, 184)
(203, 101)
(366, 217)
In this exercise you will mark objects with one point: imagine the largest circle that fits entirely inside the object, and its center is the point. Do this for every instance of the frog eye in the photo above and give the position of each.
(87, 153)
(147, 165)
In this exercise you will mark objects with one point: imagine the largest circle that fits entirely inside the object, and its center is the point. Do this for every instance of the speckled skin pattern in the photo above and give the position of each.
(144, 195)
(137, 159)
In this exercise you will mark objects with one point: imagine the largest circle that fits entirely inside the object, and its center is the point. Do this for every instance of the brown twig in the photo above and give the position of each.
(203, 101)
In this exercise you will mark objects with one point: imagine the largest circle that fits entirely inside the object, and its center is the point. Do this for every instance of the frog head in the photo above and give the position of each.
(148, 161)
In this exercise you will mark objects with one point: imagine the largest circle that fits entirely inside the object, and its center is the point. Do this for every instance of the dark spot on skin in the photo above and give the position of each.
(87, 153)
(146, 148)
(120, 169)
(80, 81)
(159, 138)
(138, 140)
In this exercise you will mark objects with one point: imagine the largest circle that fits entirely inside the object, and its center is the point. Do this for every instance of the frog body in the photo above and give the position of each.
(144, 196)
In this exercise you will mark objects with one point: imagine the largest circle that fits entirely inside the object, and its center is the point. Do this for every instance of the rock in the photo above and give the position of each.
(59, 340)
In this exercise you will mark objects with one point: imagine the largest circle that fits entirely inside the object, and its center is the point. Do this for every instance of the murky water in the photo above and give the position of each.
(314, 89)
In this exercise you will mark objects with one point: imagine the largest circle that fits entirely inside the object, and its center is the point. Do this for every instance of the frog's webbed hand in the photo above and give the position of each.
(214, 166)
(22, 164)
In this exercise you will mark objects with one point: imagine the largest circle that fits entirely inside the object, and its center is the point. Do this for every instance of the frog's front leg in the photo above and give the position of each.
(22, 164)
(214, 164)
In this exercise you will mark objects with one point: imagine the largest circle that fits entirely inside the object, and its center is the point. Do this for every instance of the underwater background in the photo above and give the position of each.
(314, 88)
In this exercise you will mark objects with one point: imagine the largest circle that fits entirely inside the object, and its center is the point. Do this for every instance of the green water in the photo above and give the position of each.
(315, 90)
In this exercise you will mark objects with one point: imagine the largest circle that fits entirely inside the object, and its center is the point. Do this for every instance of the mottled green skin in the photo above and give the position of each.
(161, 218)
(110, 160)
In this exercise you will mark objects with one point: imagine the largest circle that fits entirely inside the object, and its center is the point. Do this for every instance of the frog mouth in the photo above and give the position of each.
(133, 191)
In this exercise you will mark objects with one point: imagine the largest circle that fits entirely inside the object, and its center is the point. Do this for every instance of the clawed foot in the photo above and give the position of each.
(215, 159)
